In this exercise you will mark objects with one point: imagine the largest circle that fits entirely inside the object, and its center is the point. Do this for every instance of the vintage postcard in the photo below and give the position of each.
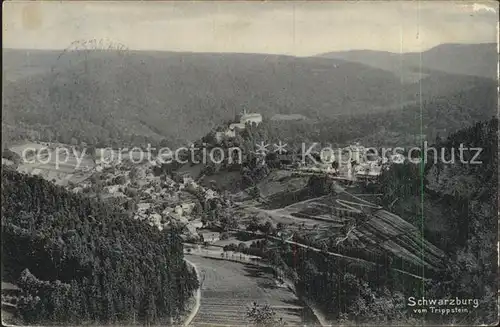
(250, 163)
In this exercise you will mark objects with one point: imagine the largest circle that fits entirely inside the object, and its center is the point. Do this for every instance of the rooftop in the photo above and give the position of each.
(253, 114)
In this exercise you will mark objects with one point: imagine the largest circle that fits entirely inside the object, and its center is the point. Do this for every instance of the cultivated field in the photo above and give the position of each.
(59, 167)
(228, 288)
(375, 231)
(281, 181)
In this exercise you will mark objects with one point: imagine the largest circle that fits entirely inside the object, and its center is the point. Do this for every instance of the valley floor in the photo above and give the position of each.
(229, 288)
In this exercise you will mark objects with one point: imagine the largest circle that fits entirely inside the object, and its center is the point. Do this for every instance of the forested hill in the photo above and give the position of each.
(459, 208)
(400, 127)
(79, 260)
(463, 59)
(138, 97)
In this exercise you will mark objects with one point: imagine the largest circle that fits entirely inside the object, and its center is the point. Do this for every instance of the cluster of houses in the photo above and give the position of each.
(159, 201)
(354, 161)
(179, 212)
(174, 203)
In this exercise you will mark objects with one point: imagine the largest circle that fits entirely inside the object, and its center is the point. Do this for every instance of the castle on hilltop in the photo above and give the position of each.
(251, 118)
(245, 118)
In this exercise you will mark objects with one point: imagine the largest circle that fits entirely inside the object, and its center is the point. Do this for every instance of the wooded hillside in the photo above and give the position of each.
(79, 260)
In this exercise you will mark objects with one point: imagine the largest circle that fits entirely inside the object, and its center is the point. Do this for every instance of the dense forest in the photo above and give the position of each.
(396, 127)
(78, 260)
(345, 291)
(469, 192)
(402, 127)
(107, 98)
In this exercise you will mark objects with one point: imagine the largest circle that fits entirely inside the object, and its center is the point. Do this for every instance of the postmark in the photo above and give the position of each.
(80, 62)
(84, 50)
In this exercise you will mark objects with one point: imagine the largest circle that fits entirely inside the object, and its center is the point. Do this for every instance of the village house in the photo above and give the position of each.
(155, 219)
(356, 151)
(178, 210)
(398, 158)
(167, 211)
(187, 207)
(210, 194)
(112, 189)
(210, 237)
(230, 132)
(369, 169)
(10, 296)
(77, 189)
(7, 162)
(197, 223)
(182, 177)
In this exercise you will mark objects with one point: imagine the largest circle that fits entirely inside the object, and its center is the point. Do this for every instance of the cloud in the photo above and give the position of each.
(477, 7)
(295, 28)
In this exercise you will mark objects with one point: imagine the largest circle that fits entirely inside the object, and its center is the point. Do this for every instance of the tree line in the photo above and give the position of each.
(80, 260)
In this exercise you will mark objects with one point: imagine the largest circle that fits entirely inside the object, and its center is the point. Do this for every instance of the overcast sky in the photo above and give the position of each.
(299, 28)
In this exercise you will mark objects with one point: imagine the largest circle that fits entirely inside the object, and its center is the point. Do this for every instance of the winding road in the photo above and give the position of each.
(197, 296)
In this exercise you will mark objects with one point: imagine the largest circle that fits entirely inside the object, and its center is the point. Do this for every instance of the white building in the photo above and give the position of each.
(187, 207)
(155, 220)
(327, 156)
(178, 210)
(230, 132)
(235, 126)
(7, 162)
(211, 237)
(251, 118)
(369, 169)
(112, 189)
(398, 158)
(357, 152)
(105, 155)
(210, 194)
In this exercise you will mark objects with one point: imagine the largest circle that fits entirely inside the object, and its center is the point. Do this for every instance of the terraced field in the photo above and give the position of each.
(228, 288)
(376, 229)
(382, 230)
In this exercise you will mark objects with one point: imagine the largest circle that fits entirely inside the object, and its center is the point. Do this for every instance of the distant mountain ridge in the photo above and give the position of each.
(462, 59)
(138, 97)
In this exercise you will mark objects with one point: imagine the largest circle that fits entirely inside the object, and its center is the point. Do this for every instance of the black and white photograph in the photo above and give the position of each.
(250, 163)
